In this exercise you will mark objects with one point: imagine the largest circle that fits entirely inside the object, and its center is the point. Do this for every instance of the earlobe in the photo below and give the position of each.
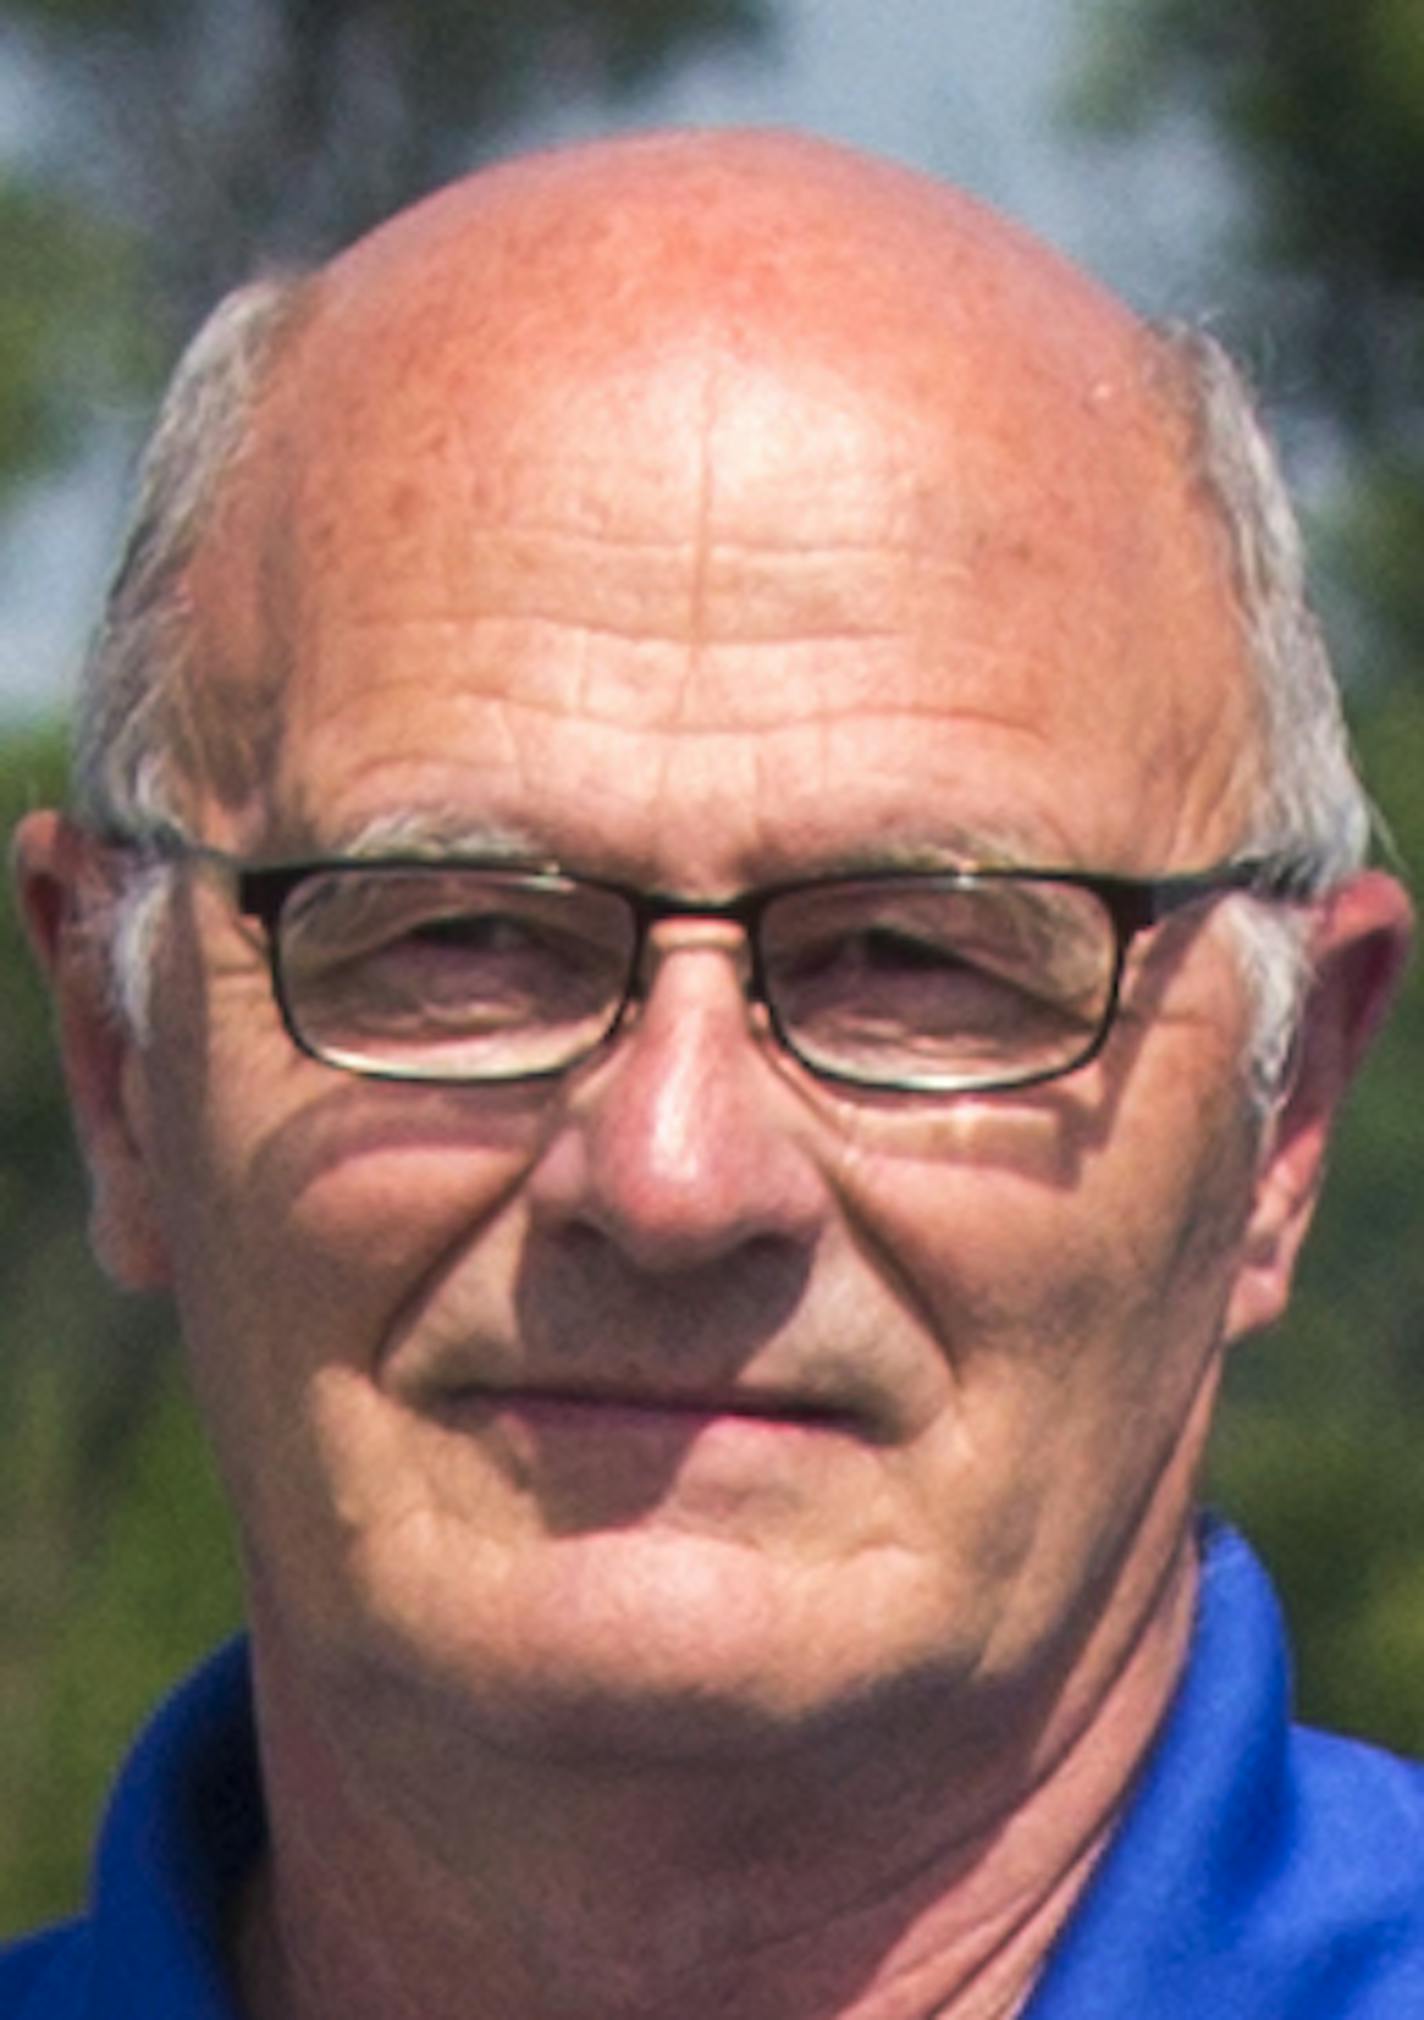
(1358, 958)
(61, 895)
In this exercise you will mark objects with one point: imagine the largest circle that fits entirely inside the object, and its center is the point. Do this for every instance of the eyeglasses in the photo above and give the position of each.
(458, 970)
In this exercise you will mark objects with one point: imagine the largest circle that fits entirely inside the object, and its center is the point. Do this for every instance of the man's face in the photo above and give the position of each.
(685, 1395)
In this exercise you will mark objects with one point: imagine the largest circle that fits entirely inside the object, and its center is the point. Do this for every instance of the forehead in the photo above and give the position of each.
(902, 515)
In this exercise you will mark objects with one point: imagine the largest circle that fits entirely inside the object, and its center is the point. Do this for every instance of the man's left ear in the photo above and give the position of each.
(1359, 953)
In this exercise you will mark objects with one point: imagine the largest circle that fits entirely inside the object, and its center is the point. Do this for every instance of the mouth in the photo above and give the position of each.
(593, 1408)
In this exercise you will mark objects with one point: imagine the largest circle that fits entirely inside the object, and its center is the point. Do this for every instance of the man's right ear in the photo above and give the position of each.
(63, 894)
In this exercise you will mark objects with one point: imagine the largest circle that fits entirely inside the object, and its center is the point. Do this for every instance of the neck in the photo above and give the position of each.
(900, 1880)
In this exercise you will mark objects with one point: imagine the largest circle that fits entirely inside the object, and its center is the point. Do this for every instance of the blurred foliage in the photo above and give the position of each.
(1319, 109)
(186, 143)
(56, 362)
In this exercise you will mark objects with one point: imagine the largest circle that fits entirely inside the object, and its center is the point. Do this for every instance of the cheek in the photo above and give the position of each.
(318, 1259)
(1075, 1327)
(290, 1286)
(303, 1208)
(1068, 1274)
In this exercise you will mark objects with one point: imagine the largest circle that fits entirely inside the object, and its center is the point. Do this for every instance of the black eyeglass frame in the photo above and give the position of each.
(1133, 906)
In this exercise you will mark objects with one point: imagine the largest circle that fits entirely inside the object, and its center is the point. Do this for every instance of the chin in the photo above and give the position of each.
(626, 1646)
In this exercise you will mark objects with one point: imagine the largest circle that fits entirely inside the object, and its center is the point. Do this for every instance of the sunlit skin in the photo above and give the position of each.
(716, 1542)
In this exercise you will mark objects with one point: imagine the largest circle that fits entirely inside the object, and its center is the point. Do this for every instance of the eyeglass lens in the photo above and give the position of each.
(452, 973)
(470, 974)
(940, 983)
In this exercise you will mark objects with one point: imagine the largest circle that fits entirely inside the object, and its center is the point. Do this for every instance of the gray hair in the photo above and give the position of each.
(127, 764)
(128, 767)
(1311, 805)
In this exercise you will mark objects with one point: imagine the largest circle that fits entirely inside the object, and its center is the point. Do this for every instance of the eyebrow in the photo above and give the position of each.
(430, 833)
(949, 847)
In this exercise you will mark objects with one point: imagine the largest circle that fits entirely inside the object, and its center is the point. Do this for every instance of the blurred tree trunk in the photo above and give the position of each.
(1320, 107)
(186, 142)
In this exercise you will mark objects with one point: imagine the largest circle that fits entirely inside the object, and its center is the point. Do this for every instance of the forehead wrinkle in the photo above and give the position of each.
(768, 610)
(1048, 376)
(683, 701)
(710, 396)
(572, 678)
(777, 716)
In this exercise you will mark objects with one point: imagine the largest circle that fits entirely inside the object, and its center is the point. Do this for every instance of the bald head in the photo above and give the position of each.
(751, 241)
(726, 351)
(738, 331)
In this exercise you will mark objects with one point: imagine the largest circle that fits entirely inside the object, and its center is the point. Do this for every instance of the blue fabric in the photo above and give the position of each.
(1262, 1872)
(184, 1826)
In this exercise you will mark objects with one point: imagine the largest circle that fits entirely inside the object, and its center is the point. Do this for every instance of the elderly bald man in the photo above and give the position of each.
(713, 925)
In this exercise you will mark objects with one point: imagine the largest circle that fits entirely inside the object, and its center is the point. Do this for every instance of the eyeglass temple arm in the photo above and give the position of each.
(1283, 879)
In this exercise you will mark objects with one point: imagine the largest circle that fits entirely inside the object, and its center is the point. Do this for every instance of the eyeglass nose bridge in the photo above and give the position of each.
(666, 926)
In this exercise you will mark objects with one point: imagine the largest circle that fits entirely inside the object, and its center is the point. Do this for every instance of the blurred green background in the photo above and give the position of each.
(180, 143)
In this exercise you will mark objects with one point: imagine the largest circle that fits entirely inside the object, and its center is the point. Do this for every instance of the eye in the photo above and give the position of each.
(483, 933)
(888, 951)
(864, 958)
(947, 977)
(885, 973)
(437, 957)
(480, 954)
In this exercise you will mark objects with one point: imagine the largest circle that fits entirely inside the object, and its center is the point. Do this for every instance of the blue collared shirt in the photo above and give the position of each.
(1260, 1872)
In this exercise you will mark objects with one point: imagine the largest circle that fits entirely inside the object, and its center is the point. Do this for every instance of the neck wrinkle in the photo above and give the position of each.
(353, 1920)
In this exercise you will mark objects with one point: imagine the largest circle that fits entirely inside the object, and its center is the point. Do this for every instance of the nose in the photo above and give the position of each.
(681, 1145)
